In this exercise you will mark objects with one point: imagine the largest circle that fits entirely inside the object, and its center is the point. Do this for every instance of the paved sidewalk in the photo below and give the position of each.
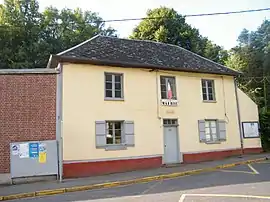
(39, 186)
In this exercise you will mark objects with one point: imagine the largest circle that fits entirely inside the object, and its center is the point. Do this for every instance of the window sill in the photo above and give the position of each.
(215, 142)
(112, 147)
(113, 99)
(209, 101)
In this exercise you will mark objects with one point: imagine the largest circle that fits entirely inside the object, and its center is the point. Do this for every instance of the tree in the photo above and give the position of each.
(28, 37)
(167, 26)
(252, 57)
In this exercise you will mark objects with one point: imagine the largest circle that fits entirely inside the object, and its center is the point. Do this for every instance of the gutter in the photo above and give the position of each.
(239, 117)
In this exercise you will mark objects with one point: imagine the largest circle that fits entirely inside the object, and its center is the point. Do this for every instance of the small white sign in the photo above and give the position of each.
(15, 149)
(24, 150)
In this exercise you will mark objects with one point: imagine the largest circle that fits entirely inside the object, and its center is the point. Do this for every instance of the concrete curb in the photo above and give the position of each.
(126, 182)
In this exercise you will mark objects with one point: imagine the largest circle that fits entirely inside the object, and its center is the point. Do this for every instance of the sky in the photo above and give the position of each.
(222, 30)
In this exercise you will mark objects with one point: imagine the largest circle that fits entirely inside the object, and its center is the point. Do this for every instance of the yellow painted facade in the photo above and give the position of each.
(83, 104)
(248, 112)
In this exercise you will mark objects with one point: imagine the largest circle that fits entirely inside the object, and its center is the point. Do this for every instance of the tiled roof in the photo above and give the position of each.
(142, 53)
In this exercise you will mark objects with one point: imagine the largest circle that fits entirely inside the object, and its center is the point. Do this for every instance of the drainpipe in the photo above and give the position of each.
(157, 96)
(59, 121)
(239, 117)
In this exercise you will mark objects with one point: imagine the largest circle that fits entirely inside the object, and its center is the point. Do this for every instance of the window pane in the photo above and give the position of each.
(208, 137)
(203, 83)
(207, 124)
(109, 140)
(108, 77)
(213, 130)
(108, 85)
(210, 96)
(109, 126)
(118, 141)
(207, 130)
(213, 123)
(204, 90)
(171, 81)
(162, 80)
(214, 137)
(163, 87)
(117, 78)
(204, 96)
(210, 84)
(117, 86)
(173, 90)
(117, 125)
(210, 90)
(118, 93)
(108, 93)
(118, 134)
(163, 95)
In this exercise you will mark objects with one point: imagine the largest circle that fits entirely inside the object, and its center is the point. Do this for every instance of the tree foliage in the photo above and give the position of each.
(167, 26)
(28, 37)
(252, 57)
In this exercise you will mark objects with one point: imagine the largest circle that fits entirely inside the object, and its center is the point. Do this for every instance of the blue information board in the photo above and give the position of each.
(33, 150)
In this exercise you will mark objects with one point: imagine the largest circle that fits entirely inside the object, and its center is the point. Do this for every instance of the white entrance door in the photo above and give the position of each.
(171, 145)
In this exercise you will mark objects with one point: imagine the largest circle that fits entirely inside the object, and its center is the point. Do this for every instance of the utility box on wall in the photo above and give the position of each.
(33, 159)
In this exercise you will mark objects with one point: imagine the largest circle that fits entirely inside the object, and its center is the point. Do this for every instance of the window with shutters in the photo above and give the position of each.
(114, 86)
(114, 132)
(212, 131)
(114, 135)
(208, 90)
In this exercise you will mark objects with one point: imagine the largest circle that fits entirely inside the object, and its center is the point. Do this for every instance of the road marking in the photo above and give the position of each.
(253, 169)
(182, 198)
(228, 195)
(151, 187)
(237, 171)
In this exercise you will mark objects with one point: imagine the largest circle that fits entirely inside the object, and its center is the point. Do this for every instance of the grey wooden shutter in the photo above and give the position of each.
(201, 125)
(129, 133)
(101, 133)
(222, 130)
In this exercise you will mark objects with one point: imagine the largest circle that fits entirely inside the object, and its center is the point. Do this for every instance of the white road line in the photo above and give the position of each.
(182, 198)
(229, 195)
(236, 171)
(253, 169)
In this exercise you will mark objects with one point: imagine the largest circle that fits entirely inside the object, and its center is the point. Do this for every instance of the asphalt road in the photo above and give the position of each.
(241, 183)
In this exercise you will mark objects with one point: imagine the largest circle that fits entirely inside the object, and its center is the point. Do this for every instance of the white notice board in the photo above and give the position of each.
(250, 129)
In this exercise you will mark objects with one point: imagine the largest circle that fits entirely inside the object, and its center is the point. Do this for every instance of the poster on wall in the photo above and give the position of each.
(24, 150)
(42, 157)
(15, 149)
(33, 150)
(250, 129)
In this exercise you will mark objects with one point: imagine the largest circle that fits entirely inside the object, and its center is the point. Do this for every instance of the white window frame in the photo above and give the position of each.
(114, 130)
(206, 82)
(113, 82)
(173, 87)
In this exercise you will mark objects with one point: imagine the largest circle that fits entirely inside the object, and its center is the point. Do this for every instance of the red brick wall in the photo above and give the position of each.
(27, 111)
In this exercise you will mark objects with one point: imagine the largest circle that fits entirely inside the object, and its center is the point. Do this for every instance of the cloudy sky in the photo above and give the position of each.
(223, 30)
